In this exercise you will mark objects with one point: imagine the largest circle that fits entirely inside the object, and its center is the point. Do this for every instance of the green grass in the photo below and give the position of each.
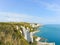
(9, 35)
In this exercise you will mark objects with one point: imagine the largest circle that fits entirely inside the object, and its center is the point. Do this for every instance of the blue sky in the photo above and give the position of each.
(38, 11)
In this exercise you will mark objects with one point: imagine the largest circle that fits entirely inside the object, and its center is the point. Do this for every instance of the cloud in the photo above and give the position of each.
(6, 16)
(14, 17)
(54, 6)
(51, 6)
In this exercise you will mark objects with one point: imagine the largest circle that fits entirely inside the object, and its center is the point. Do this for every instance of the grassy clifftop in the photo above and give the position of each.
(9, 35)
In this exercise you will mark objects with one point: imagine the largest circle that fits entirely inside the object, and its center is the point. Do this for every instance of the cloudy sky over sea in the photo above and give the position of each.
(39, 11)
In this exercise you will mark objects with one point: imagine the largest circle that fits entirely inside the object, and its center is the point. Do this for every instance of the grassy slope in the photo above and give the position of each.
(9, 35)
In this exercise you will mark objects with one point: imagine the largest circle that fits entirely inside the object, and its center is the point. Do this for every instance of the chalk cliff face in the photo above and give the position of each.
(12, 33)
(27, 35)
(26, 31)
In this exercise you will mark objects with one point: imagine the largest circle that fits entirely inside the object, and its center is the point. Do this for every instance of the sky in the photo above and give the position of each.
(34, 11)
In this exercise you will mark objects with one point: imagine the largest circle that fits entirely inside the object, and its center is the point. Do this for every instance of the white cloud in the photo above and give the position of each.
(7, 17)
(54, 6)
(51, 6)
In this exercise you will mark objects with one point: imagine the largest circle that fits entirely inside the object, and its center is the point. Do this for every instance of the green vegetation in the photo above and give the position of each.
(9, 35)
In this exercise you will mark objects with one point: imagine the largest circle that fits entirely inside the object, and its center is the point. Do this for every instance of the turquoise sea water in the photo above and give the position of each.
(51, 32)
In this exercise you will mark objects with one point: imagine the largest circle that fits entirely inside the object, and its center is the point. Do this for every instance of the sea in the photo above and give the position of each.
(51, 32)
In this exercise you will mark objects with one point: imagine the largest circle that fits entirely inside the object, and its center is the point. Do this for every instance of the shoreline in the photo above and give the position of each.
(36, 31)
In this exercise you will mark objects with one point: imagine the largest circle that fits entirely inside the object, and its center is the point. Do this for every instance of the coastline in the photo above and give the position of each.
(36, 31)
